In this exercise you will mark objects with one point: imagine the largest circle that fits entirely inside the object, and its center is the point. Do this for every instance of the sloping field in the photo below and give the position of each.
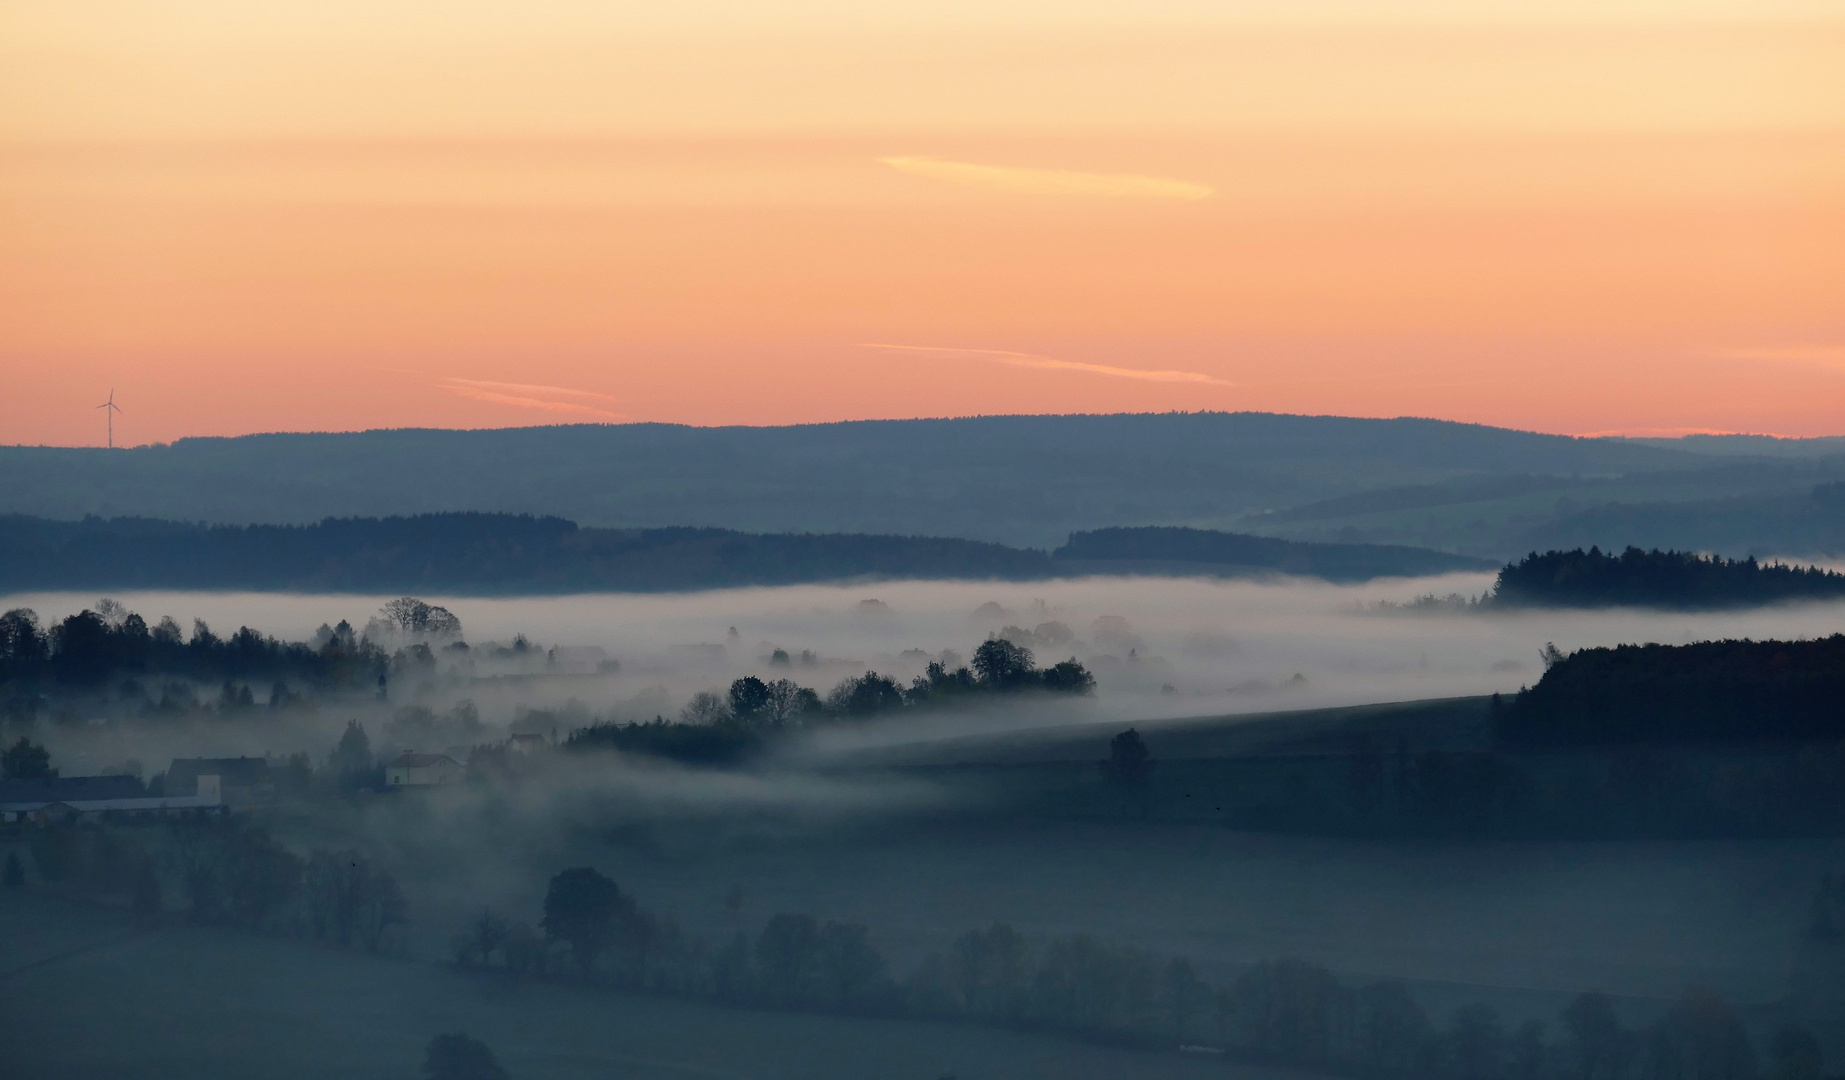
(190, 1003)
(1438, 724)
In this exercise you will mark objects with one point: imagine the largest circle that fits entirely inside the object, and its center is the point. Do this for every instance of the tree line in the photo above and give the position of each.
(96, 646)
(716, 729)
(1709, 691)
(504, 553)
(1286, 1011)
(471, 552)
(1658, 579)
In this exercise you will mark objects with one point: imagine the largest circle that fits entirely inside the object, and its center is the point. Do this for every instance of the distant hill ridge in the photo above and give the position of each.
(511, 554)
(1018, 480)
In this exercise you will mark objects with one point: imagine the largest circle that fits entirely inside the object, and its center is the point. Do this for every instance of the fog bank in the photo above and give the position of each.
(1159, 647)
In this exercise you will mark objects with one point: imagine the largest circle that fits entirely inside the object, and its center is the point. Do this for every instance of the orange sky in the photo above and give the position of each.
(1579, 217)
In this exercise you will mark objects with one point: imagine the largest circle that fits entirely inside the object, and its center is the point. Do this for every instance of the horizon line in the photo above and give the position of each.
(1636, 432)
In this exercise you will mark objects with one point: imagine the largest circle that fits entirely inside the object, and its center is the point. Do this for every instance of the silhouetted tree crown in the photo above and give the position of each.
(749, 698)
(354, 751)
(412, 616)
(1129, 762)
(582, 909)
(1002, 665)
(91, 646)
(26, 760)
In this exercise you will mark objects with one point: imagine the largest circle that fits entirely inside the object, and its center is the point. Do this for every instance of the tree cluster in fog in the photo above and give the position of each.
(717, 729)
(110, 644)
(1282, 1011)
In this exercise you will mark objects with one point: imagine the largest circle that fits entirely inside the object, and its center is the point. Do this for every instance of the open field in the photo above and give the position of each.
(256, 1006)
(1636, 919)
(1525, 924)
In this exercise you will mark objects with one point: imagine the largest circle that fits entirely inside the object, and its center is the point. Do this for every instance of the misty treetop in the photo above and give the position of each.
(718, 729)
(1657, 579)
(415, 617)
(95, 645)
(92, 646)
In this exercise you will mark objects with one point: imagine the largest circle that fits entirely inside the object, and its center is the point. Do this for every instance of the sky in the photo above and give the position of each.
(1570, 216)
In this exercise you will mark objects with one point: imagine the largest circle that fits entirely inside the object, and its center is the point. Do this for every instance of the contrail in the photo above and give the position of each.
(531, 396)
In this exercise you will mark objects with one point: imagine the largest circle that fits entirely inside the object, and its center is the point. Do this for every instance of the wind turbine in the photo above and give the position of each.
(113, 409)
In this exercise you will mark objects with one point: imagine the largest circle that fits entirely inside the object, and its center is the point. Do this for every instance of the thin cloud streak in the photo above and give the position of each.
(1047, 181)
(531, 396)
(1046, 363)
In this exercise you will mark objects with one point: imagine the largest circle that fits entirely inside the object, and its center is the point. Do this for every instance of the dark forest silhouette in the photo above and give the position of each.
(91, 647)
(505, 553)
(1709, 691)
(1657, 579)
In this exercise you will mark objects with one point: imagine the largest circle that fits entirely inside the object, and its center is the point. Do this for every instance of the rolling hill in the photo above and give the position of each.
(517, 554)
(1025, 481)
(1022, 480)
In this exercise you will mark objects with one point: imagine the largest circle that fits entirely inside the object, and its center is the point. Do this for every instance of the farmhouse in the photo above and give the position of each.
(422, 770)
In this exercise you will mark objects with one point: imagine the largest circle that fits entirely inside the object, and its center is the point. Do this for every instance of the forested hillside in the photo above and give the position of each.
(1025, 480)
(503, 553)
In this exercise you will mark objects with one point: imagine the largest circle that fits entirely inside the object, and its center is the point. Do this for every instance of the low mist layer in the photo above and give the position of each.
(1157, 647)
